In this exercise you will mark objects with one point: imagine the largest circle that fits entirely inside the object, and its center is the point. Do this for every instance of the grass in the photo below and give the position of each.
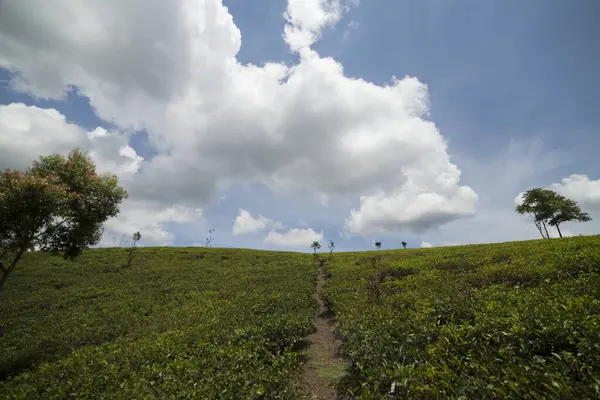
(332, 373)
(510, 320)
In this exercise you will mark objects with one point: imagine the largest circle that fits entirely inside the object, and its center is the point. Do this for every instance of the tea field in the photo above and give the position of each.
(181, 323)
(511, 320)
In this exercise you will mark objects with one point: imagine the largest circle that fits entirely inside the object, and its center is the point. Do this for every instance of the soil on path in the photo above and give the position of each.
(323, 367)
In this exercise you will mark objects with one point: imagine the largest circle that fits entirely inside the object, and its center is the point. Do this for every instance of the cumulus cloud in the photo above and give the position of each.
(171, 69)
(580, 188)
(418, 210)
(307, 18)
(26, 132)
(29, 132)
(577, 187)
(246, 224)
(150, 219)
(295, 237)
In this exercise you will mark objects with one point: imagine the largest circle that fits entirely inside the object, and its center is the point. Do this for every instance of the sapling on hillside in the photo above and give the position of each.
(209, 238)
(136, 237)
(404, 244)
(331, 247)
(378, 245)
(315, 246)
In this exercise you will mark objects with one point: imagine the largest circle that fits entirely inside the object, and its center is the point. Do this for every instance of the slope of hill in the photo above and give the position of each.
(510, 320)
(185, 323)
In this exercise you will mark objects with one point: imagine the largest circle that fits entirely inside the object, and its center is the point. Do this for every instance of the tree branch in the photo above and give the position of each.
(42, 233)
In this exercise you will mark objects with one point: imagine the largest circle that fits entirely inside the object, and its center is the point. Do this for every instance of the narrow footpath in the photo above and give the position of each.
(323, 367)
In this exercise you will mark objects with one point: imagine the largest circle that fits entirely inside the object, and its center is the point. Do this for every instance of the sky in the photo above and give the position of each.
(277, 123)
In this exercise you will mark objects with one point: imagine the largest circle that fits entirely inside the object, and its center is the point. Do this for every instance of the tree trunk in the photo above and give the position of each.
(11, 267)
(559, 232)
(546, 229)
(539, 227)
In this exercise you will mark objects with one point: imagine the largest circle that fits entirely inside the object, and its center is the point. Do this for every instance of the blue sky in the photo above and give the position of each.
(511, 88)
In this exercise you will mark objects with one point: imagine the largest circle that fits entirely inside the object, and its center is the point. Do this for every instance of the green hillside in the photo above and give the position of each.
(509, 320)
(518, 320)
(185, 323)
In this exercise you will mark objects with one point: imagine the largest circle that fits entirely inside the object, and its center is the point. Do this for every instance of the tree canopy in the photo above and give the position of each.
(58, 204)
(315, 246)
(549, 208)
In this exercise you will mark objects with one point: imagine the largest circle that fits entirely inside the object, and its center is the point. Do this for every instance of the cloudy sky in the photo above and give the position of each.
(278, 123)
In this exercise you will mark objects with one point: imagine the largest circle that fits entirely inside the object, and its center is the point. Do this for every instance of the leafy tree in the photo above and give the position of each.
(404, 244)
(315, 246)
(567, 210)
(331, 247)
(549, 208)
(58, 204)
(378, 245)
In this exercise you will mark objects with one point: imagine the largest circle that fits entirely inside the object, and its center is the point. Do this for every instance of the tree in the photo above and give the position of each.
(567, 210)
(331, 247)
(58, 204)
(549, 208)
(136, 238)
(538, 203)
(378, 245)
(315, 246)
(210, 237)
(404, 244)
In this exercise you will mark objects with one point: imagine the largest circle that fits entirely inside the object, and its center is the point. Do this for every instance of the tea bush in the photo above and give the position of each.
(181, 323)
(510, 320)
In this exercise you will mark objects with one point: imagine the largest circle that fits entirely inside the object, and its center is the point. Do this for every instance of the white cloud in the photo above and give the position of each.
(246, 224)
(171, 68)
(411, 208)
(294, 237)
(307, 18)
(150, 220)
(579, 188)
(352, 26)
(443, 244)
(27, 132)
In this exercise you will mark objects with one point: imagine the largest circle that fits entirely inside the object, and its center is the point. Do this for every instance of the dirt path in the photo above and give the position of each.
(323, 368)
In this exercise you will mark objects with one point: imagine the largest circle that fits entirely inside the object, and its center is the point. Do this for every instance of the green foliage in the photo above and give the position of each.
(549, 208)
(59, 204)
(510, 320)
(192, 323)
(378, 245)
(567, 210)
(315, 246)
(404, 244)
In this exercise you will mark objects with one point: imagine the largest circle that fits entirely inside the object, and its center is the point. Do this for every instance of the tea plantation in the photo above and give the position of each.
(181, 323)
(509, 320)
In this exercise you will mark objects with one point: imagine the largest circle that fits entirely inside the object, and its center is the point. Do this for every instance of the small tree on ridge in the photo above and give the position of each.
(549, 208)
(315, 246)
(331, 247)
